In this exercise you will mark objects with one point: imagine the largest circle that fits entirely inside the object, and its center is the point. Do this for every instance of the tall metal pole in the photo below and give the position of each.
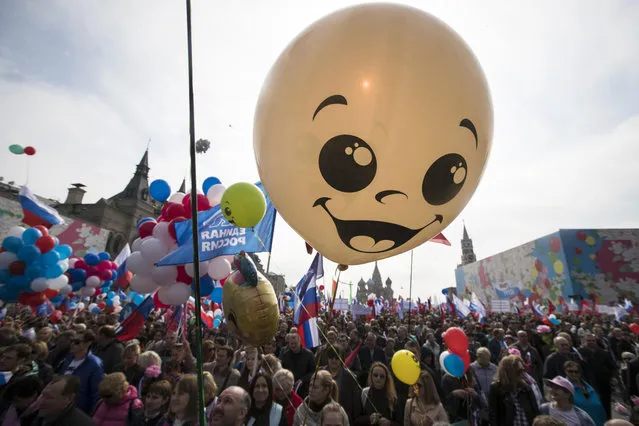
(194, 227)
(410, 291)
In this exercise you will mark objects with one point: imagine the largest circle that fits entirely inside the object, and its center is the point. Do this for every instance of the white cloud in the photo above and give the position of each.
(104, 77)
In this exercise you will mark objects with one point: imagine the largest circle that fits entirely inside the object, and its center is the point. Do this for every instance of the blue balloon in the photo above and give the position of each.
(454, 365)
(216, 295)
(19, 281)
(445, 291)
(216, 322)
(28, 252)
(114, 275)
(53, 271)
(207, 285)
(104, 256)
(31, 235)
(64, 251)
(160, 190)
(9, 294)
(109, 303)
(33, 271)
(13, 244)
(50, 258)
(77, 285)
(108, 284)
(138, 299)
(110, 295)
(91, 259)
(143, 220)
(96, 310)
(4, 276)
(209, 182)
(78, 275)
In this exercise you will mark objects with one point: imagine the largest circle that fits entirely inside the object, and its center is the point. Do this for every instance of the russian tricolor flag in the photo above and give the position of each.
(131, 326)
(307, 304)
(35, 212)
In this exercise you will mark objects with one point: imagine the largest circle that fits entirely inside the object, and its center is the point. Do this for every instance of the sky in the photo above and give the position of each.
(88, 83)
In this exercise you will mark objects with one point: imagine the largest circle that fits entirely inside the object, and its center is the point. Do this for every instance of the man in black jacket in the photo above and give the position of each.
(300, 361)
(368, 354)
(57, 404)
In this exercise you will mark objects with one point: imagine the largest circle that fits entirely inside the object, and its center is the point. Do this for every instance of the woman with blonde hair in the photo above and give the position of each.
(210, 394)
(510, 399)
(424, 408)
(322, 391)
(151, 364)
(380, 404)
(118, 401)
(270, 365)
(333, 415)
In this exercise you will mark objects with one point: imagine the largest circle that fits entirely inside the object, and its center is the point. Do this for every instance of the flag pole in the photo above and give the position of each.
(194, 228)
(410, 291)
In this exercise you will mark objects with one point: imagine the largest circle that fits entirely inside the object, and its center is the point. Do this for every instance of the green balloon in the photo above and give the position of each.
(16, 149)
(243, 204)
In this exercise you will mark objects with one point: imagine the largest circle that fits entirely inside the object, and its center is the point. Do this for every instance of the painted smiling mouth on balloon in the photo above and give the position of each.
(371, 236)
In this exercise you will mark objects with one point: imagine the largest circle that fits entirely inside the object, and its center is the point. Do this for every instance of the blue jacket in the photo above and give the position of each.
(91, 374)
(591, 405)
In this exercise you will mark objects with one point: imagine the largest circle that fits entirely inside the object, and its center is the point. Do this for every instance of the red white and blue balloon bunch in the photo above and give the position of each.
(456, 360)
(158, 237)
(32, 262)
(91, 275)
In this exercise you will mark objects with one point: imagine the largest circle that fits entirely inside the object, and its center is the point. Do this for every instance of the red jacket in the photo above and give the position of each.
(291, 407)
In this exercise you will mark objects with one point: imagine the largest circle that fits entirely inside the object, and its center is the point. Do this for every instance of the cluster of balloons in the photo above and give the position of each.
(456, 360)
(92, 275)
(19, 150)
(32, 262)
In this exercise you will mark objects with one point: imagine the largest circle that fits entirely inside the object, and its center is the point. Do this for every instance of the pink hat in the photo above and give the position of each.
(562, 382)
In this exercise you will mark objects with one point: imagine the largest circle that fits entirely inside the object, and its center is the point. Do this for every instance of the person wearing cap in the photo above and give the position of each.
(562, 406)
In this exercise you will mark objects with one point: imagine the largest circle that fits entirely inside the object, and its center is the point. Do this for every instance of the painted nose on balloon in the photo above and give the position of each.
(387, 193)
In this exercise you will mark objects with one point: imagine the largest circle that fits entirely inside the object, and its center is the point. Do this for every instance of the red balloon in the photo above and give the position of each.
(45, 243)
(43, 230)
(55, 316)
(17, 267)
(29, 150)
(105, 265)
(203, 203)
(215, 306)
(172, 232)
(634, 328)
(158, 303)
(321, 287)
(125, 279)
(92, 270)
(186, 202)
(50, 293)
(106, 275)
(81, 264)
(222, 281)
(146, 229)
(456, 341)
(32, 299)
(174, 210)
(182, 276)
(101, 305)
(114, 265)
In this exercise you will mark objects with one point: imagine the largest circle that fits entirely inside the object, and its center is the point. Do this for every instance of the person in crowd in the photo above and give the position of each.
(562, 405)
(22, 395)
(369, 354)
(379, 399)
(264, 411)
(532, 359)
(183, 407)
(462, 396)
(118, 401)
(543, 420)
(349, 392)
(108, 349)
(232, 407)
(554, 364)
(331, 341)
(61, 349)
(497, 345)
(485, 372)
(249, 366)
(300, 361)
(224, 375)
(210, 394)
(322, 391)
(511, 401)
(58, 404)
(40, 353)
(269, 365)
(431, 343)
(14, 363)
(585, 396)
(424, 407)
(284, 395)
(151, 363)
(156, 405)
(601, 369)
(132, 370)
(333, 415)
(87, 367)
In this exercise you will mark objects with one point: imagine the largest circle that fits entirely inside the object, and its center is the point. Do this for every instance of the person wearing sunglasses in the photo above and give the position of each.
(586, 397)
(380, 405)
(87, 367)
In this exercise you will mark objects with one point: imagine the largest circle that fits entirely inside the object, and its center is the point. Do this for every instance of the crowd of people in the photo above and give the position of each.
(522, 373)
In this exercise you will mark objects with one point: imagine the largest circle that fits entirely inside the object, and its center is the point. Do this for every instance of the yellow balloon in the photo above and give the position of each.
(251, 312)
(405, 367)
(372, 131)
(243, 204)
(559, 267)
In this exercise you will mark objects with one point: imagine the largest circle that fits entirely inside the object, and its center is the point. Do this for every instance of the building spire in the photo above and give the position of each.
(183, 186)
(468, 253)
(138, 186)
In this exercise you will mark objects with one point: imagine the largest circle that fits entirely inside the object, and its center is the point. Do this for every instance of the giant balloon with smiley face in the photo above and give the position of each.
(372, 131)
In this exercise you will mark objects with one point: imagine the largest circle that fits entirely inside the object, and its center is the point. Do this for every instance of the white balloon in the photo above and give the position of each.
(204, 269)
(87, 291)
(72, 262)
(177, 197)
(64, 264)
(117, 309)
(161, 232)
(92, 305)
(16, 231)
(217, 312)
(135, 246)
(138, 265)
(66, 290)
(58, 283)
(92, 282)
(219, 268)
(153, 250)
(80, 306)
(116, 300)
(142, 284)
(164, 275)
(214, 194)
(6, 259)
(175, 294)
(39, 284)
